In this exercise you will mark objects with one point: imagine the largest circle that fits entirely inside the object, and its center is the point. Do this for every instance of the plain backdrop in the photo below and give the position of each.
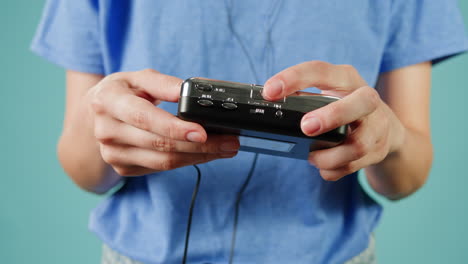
(43, 215)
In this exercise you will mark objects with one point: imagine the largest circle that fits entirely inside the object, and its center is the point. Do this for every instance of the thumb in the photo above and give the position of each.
(338, 80)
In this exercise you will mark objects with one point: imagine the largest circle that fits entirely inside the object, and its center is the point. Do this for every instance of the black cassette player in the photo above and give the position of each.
(268, 127)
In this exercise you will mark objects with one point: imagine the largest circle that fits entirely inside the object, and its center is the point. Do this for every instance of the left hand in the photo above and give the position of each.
(375, 132)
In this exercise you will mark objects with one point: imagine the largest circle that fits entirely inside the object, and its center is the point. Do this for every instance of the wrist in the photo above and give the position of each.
(398, 135)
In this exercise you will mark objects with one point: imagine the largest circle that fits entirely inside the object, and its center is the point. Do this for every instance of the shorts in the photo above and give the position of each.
(109, 256)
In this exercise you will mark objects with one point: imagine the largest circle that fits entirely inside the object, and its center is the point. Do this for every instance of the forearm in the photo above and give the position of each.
(407, 93)
(78, 152)
(404, 171)
(78, 149)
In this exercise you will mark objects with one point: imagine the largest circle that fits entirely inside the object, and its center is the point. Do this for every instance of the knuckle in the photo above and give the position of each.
(144, 73)
(329, 165)
(359, 151)
(352, 76)
(211, 147)
(289, 76)
(149, 71)
(372, 97)
(322, 164)
(97, 106)
(317, 64)
(350, 72)
(102, 134)
(205, 148)
(360, 147)
(349, 168)
(330, 176)
(163, 144)
(319, 162)
(167, 164)
(114, 76)
(322, 70)
(140, 119)
(350, 69)
(172, 130)
(97, 100)
(108, 155)
(158, 143)
(100, 94)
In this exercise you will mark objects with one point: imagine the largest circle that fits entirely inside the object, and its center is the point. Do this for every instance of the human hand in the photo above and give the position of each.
(375, 130)
(137, 138)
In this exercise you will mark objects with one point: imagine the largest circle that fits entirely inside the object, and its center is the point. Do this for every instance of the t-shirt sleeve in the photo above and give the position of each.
(68, 35)
(423, 30)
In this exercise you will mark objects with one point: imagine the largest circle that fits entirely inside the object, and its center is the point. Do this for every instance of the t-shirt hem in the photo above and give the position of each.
(64, 62)
(114, 246)
(412, 57)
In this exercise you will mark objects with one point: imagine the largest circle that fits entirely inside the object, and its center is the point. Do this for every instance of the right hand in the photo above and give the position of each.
(137, 138)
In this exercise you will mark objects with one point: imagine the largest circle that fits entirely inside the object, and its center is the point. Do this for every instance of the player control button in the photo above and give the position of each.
(205, 102)
(202, 87)
(279, 114)
(257, 94)
(229, 106)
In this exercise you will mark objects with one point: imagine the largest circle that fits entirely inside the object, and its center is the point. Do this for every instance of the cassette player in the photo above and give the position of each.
(267, 127)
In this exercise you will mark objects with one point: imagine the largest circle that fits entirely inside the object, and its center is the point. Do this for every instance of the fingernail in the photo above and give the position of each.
(229, 146)
(194, 137)
(273, 89)
(311, 125)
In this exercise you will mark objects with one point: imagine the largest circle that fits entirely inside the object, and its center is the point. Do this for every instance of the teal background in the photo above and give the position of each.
(43, 215)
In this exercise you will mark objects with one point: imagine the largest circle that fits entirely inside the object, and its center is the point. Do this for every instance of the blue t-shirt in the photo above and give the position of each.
(288, 214)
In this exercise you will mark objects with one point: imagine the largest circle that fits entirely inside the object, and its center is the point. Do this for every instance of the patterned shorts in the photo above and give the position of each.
(109, 256)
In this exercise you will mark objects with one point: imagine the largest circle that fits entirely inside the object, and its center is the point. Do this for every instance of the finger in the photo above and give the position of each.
(124, 134)
(157, 85)
(119, 102)
(355, 106)
(335, 175)
(119, 155)
(358, 144)
(325, 76)
(106, 129)
(352, 167)
(128, 171)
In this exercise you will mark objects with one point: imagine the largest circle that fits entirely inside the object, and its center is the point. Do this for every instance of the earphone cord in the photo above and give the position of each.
(236, 212)
(228, 4)
(189, 222)
(254, 163)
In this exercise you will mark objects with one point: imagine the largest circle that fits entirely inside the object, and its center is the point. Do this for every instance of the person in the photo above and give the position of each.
(125, 57)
